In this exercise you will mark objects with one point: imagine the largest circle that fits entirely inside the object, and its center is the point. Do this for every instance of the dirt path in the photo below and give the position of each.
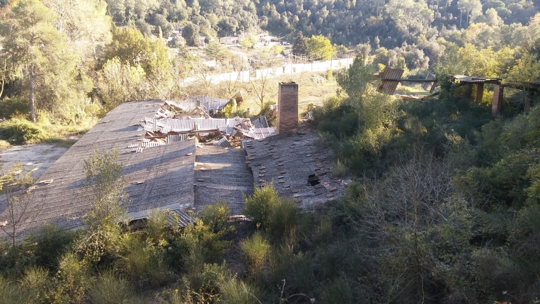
(39, 156)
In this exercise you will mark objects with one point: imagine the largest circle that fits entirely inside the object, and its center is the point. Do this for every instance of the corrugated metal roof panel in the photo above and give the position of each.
(389, 87)
(261, 133)
(260, 122)
(223, 142)
(430, 76)
(205, 102)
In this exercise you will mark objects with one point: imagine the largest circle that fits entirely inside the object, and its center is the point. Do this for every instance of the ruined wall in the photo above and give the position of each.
(287, 117)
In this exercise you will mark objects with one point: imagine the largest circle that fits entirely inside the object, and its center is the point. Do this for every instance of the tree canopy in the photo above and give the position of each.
(38, 53)
(320, 48)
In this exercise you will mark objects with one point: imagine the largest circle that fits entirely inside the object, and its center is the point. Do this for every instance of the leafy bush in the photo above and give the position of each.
(260, 204)
(142, 263)
(108, 289)
(215, 216)
(283, 218)
(10, 293)
(338, 291)
(15, 106)
(21, 131)
(48, 244)
(105, 184)
(34, 282)
(4, 144)
(255, 249)
(239, 292)
(195, 245)
(157, 226)
(72, 279)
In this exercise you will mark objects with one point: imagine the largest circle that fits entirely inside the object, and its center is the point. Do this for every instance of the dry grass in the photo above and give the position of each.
(314, 89)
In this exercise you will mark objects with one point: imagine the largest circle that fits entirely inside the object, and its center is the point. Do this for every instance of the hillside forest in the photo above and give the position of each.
(444, 204)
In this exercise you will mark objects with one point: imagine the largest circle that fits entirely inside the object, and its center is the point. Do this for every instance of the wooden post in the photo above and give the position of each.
(479, 92)
(498, 92)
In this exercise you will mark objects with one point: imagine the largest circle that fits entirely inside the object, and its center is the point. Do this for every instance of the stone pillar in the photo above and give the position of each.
(479, 92)
(287, 116)
(498, 91)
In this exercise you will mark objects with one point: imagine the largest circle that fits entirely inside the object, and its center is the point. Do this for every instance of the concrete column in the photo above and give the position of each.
(287, 116)
(479, 92)
(498, 91)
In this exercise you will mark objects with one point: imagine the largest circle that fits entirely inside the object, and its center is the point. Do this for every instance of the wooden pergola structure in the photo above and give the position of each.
(392, 77)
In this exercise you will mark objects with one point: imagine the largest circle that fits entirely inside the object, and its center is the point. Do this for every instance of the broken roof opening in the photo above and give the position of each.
(313, 179)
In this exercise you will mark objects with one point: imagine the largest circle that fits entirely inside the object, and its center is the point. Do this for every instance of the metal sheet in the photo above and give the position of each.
(389, 87)
(427, 85)
(223, 142)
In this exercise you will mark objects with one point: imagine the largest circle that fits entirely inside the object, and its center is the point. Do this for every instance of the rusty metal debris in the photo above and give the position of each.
(390, 79)
(174, 122)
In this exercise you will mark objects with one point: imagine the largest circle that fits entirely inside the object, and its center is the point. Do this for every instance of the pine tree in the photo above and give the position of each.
(35, 50)
(300, 47)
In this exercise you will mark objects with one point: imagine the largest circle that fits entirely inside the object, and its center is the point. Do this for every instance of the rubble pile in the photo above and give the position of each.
(174, 122)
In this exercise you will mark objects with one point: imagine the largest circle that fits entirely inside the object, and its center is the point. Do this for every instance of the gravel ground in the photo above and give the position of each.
(39, 156)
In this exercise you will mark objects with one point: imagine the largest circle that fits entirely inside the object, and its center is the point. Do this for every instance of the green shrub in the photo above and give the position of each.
(4, 144)
(260, 204)
(21, 131)
(15, 106)
(10, 293)
(339, 169)
(157, 226)
(239, 292)
(108, 289)
(275, 215)
(338, 291)
(195, 245)
(201, 288)
(72, 279)
(48, 244)
(255, 250)
(283, 219)
(142, 263)
(34, 283)
(215, 216)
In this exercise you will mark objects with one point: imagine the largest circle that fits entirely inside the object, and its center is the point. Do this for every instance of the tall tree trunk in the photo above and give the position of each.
(31, 97)
(2, 89)
(460, 15)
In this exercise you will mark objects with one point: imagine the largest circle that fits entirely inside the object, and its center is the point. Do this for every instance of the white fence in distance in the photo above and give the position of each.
(244, 76)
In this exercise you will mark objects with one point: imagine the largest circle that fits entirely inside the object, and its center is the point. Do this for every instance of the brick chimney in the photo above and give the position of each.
(287, 117)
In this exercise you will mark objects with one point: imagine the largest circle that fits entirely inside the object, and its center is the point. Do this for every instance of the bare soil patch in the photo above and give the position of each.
(37, 156)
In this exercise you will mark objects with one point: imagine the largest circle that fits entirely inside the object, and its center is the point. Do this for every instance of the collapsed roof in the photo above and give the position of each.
(169, 124)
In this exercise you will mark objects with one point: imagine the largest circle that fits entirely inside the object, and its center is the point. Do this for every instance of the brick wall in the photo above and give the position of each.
(287, 117)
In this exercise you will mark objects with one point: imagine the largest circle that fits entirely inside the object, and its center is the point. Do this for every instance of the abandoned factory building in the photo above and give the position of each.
(176, 157)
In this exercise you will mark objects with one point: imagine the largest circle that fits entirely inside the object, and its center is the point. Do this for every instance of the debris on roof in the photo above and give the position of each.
(170, 124)
(223, 142)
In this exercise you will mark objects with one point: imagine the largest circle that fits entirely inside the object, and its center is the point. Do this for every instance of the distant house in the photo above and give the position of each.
(267, 40)
(229, 40)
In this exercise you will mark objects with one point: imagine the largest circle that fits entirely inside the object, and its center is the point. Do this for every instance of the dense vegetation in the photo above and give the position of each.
(444, 208)
(66, 62)
(444, 204)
